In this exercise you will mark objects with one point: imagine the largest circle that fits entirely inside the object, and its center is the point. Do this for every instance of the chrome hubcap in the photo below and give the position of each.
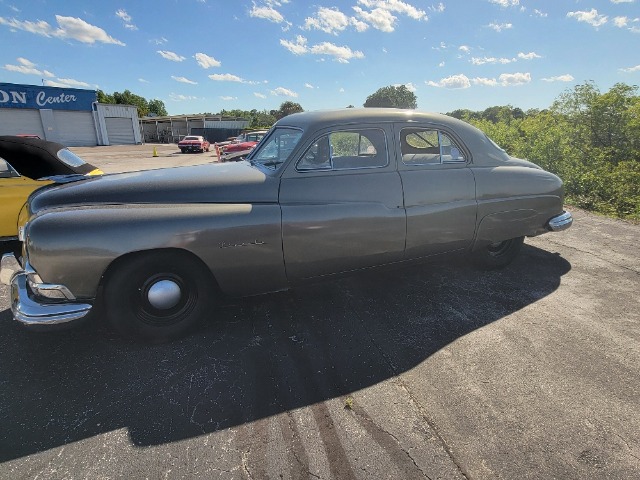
(164, 294)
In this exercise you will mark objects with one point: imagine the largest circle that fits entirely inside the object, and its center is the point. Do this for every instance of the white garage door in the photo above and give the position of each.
(17, 120)
(75, 129)
(120, 131)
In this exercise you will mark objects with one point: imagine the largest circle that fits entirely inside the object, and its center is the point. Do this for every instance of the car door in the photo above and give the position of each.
(342, 204)
(14, 190)
(439, 190)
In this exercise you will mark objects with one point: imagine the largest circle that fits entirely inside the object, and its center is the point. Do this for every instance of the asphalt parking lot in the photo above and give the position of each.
(432, 371)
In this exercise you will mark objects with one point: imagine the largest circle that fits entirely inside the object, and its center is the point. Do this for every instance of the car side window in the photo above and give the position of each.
(346, 150)
(423, 146)
(6, 170)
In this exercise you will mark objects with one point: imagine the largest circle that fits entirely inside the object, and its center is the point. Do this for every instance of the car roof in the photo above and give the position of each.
(474, 138)
(365, 115)
(36, 158)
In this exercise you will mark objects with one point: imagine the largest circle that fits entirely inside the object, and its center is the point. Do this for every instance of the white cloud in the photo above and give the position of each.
(499, 27)
(174, 57)
(396, 6)
(512, 79)
(487, 82)
(631, 69)
(68, 28)
(340, 54)
(181, 98)
(437, 8)
(28, 68)
(226, 77)
(506, 3)
(123, 15)
(622, 1)
(284, 92)
(228, 98)
(454, 82)
(308, 85)
(464, 48)
(267, 13)
(441, 64)
(379, 18)
(528, 56)
(592, 17)
(259, 95)
(491, 60)
(159, 41)
(540, 13)
(560, 78)
(299, 47)
(184, 80)
(620, 22)
(410, 86)
(328, 20)
(126, 19)
(142, 80)
(70, 82)
(205, 61)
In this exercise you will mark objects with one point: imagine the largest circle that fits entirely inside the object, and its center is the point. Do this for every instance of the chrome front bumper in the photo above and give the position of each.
(560, 222)
(34, 309)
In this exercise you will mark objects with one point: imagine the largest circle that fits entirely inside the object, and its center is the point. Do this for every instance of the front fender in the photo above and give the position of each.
(240, 243)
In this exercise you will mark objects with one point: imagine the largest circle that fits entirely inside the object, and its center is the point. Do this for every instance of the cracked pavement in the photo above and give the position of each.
(431, 371)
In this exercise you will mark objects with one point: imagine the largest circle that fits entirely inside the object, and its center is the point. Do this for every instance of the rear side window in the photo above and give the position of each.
(346, 150)
(69, 158)
(6, 170)
(423, 146)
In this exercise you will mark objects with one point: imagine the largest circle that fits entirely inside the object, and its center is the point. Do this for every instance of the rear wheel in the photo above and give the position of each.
(497, 254)
(183, 150)
(157, 296)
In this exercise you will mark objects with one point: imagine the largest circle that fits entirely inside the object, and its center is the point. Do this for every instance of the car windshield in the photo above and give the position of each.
(69, 158)
(191, 138)
(273, 151)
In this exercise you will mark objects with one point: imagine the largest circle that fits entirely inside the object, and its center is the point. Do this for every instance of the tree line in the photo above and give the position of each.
(589, 138)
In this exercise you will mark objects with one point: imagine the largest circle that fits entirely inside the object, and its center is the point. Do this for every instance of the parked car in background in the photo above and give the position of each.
(194, 143)
(323, 193)
(241, 146)
(27, 135)
(28, 163)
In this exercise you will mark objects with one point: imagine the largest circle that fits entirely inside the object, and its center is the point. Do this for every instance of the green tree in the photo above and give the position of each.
(287, 108)
(104, 97)
(128, 98)
(157, 106)
(392, 97)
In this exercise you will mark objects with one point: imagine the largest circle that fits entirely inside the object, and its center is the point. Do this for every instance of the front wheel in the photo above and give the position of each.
(497, 254)
(157, 296)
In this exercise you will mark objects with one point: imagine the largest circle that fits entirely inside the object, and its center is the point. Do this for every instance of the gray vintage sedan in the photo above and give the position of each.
(323, 193)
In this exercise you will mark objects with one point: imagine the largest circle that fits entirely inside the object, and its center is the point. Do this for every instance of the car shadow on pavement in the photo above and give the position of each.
(254, 357)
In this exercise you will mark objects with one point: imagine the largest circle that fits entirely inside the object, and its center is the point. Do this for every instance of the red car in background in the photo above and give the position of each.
(193, 143)
(242, 145)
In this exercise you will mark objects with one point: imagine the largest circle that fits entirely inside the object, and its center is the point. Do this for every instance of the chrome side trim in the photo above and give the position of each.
(28, 311)
(560, 222)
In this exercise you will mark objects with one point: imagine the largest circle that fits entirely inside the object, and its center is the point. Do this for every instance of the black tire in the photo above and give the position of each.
(497, 255)
(182, 150)
(157, 296)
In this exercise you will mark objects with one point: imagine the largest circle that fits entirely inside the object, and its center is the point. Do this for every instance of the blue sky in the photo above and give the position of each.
(208, 55)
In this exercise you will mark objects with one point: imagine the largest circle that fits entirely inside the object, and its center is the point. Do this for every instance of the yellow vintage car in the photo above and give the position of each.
(27, 164)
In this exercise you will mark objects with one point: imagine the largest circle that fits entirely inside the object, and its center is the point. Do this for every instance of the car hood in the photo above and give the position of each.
(211, 183)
